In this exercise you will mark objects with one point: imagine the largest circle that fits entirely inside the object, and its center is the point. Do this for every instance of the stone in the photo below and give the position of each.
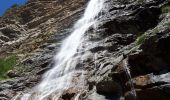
(130, 96)
(12, 74)
(107, 86)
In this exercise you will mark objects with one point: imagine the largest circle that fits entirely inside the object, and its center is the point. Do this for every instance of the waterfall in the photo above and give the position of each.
(60, 77)
(129, 77)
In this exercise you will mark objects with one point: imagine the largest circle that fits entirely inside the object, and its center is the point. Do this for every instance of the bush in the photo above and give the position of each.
(140, 1)
(165, 9)
(14, 6)
(140, 39)
(167, 24)
(6, 64)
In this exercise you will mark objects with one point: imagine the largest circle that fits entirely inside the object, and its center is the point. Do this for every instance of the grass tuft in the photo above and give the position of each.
(167, 24)
(140, 39)
(6, 64)
(165, 9)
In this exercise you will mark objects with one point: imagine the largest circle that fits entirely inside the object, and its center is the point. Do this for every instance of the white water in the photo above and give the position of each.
(60, 77)
(128, 74)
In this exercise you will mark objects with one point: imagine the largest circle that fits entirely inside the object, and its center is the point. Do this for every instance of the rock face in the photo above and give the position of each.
(33, 32)
(129, 58)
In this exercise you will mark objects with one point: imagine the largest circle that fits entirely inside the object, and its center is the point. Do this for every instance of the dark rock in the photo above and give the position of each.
(42, 71)
(12, 74)
(143, 20)
(154, 93)
(3, 98)
(130, 96)
(107, 86)
(91, 85)
(69, 94)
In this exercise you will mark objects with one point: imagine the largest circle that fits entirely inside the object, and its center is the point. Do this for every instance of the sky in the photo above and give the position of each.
(5, 4)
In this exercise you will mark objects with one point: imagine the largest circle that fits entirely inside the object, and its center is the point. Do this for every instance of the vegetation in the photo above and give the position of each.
(140, 39)
(167, 24)
(14, 5)
(6, 64)
(140, 1)
(165, 9)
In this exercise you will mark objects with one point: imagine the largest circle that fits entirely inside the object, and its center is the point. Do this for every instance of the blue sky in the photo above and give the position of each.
(5, 4)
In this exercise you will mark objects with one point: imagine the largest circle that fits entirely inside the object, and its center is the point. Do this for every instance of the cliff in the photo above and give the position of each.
(129, 55)
(32, 33)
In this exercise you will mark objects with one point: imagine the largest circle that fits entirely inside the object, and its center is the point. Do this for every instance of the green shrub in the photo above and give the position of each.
(6, 64)
(140, 39)
(140, 1)
(167, 24)
(14, 5)
(165, 9)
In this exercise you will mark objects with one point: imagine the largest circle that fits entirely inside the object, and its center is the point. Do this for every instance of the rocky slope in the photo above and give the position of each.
(32, 33)
(134, 36)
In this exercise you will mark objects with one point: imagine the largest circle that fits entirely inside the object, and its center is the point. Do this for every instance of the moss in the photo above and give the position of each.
(140, 1)
(140, 39)
(107, 78)
(156, 30)
(6, 64)
(166, 9)
(167, 24)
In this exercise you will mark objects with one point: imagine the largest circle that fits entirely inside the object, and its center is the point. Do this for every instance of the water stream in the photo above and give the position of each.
(61, 76)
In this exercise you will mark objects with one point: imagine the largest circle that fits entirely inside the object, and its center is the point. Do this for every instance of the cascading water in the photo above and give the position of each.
(60, 77)
(128, 75)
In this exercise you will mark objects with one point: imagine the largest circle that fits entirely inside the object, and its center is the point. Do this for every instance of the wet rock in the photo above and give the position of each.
(108, 87)
(146, 64)
(154, 56)
(96, 96)
(3, 98)
(69, 94)
(148, 85)
(42, 71)
(155, 93)
(12, 74)
(130, 96)
(142, 20)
